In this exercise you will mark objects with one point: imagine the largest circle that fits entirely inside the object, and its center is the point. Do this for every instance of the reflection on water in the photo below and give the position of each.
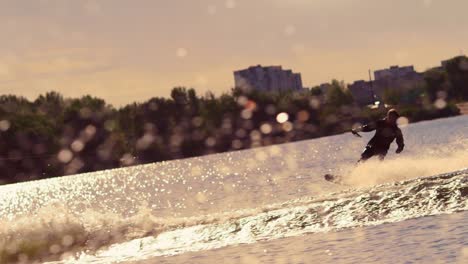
(145, 200)
(435, 239)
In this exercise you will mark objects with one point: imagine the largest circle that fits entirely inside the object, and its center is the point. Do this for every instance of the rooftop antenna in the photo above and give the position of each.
(374, 97)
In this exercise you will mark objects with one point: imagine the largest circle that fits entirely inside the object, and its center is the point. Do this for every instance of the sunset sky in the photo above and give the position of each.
(132, 50)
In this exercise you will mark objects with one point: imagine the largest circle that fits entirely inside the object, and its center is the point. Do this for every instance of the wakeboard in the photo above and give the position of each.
(333, 178)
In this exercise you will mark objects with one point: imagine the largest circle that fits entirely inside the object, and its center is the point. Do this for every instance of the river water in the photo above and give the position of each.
(265, 205)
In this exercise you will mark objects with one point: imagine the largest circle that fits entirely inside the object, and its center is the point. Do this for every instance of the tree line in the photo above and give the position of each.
(54, 136)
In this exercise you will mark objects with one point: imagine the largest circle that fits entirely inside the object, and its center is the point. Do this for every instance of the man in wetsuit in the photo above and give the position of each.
(386, 130)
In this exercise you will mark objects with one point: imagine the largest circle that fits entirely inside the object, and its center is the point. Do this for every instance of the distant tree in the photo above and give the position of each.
(338, 95)
(316, 91)
(15, 104)
(54, 136)
(392, 96)
(457, 72)
(51, 105)
(436, 82)
(180, 95)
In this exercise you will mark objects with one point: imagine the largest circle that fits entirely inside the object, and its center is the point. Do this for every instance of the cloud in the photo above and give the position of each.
(138, 49)
(38, 64)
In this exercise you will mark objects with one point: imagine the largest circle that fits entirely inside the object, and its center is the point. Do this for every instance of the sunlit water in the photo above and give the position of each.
(266, 205)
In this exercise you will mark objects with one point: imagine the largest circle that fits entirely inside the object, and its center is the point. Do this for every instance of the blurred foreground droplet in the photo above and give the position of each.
(230, 4)
(290, 30)
(200, 197)
(181, 53)
(212, 9)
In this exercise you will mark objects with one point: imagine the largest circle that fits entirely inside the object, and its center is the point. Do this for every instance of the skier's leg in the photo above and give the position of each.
(382, 154)
(367, 154)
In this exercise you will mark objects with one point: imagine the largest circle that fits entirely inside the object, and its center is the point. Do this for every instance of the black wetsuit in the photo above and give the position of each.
(384, 135)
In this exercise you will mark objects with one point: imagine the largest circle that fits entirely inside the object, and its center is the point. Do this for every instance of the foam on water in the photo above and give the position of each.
(409, 167)
(57, 232)
(388, 203)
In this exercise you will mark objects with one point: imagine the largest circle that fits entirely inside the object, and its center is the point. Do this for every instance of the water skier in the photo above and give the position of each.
(386, 131)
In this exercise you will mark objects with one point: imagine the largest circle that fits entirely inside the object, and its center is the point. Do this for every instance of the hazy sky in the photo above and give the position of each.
(131, 50)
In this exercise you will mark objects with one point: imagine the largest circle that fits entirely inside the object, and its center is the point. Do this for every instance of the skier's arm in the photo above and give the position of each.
(399, 141)
(366, 128)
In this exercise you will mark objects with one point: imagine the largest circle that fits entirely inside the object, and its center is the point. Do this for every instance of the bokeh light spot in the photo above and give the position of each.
(402, 121)
(282, 117)
(77, 145)
(242, 100)
(440, 103)
(287, 126)
(314, 103)
(303, 116)
(4, 125)
(65, 156)
(266, 128)
(246, 114)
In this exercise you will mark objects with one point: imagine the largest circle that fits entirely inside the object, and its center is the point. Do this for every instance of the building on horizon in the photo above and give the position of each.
(393, 78)
(362, 92)
(270, 78)
(394, 72)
